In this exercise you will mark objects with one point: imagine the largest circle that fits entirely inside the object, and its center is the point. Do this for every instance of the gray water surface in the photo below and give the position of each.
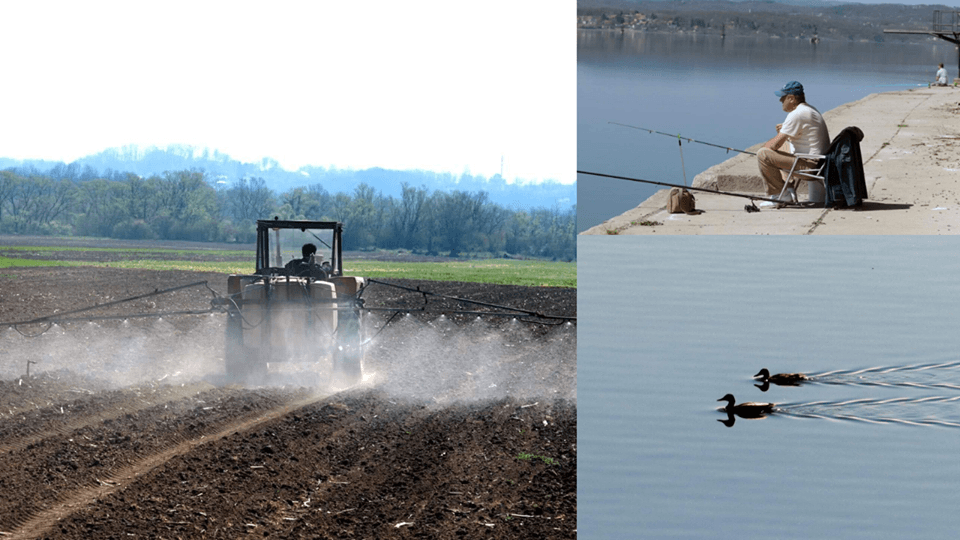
(714, 90)
(669, 325)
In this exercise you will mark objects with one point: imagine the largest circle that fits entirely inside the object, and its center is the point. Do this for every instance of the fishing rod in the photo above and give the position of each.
(751, 197)
(678, 137)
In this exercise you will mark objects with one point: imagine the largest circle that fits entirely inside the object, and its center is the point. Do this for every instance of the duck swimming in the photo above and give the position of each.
(783, 379)
(749, 409)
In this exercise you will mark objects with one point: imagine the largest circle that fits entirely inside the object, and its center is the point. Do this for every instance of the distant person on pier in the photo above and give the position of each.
(804, 130)
(941, 77)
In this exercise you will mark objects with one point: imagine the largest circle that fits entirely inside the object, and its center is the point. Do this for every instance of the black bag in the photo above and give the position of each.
(843, 177)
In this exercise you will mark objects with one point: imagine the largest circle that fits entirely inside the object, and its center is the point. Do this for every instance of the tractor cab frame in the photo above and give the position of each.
(297, 306)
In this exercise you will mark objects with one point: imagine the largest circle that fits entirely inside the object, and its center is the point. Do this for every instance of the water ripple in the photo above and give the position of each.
(887, 369)
(875, 376)
(858, 410)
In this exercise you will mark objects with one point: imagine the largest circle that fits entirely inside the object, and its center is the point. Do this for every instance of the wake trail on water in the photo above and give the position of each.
(858, 410)
(876, 376)
(948, 386)
(888, 369)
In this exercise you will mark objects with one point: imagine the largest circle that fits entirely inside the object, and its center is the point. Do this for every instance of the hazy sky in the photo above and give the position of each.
(434, 85)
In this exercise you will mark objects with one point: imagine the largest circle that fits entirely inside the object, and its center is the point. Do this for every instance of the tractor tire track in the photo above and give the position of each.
(59, 463)
(35, 523)
(30, 426)
(330, 467)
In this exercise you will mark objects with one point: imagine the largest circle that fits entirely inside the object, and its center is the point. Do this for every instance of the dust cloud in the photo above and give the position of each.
(120, 353)
(442, 362)
(436, 361)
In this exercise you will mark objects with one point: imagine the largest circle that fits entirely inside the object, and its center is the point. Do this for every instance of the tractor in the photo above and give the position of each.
(297, 306)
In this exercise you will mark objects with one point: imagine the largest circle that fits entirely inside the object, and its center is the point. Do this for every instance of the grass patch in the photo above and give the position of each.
(7, 262)
(165, 251)
(498, 271)
(495, 271)
(140, 264)
(192, 266)
(531, 457)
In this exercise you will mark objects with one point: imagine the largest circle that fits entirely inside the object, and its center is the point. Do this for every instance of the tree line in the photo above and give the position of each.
(185, 205)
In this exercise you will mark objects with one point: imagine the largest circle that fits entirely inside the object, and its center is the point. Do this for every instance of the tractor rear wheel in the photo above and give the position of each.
(348, 353)
(242, 363)
(233, 349)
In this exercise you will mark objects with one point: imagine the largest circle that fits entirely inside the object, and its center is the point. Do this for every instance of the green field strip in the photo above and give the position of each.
(494, 271)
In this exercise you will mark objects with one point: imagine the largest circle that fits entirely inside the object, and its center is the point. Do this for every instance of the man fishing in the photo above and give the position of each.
(805, 131)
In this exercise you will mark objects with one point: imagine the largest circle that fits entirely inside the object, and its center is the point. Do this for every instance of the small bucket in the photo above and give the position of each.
(815, 192)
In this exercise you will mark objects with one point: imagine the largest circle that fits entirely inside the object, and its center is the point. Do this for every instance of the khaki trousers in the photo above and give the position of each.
(775, 166)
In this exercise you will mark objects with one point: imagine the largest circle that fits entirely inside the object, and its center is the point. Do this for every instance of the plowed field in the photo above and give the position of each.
(464, 426)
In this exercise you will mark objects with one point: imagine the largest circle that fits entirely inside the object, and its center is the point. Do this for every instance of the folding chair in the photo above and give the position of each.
(816, 188)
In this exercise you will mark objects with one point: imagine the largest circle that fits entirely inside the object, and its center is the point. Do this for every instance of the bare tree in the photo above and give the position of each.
(410, 214)
(250, 200)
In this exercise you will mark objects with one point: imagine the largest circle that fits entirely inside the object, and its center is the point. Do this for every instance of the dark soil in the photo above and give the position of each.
(464, 427)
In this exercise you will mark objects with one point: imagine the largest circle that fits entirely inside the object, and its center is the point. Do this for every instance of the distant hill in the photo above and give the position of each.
(221, 169)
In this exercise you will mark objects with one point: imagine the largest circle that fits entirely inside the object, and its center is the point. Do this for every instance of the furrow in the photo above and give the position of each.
(36, 523)
(45, 422)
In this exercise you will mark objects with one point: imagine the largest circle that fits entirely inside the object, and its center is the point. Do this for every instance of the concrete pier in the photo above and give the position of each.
(911, 160)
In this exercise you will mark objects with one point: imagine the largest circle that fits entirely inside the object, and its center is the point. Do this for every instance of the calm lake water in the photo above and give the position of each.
(669, 325)
(714, 90)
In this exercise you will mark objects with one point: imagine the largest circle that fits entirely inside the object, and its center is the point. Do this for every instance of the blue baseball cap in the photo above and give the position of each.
(792, 88)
